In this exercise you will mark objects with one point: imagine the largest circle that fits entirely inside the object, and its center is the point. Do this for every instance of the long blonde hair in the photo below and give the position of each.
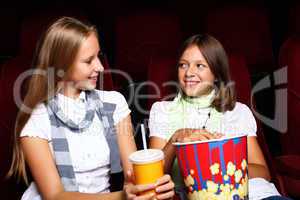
(56, 50)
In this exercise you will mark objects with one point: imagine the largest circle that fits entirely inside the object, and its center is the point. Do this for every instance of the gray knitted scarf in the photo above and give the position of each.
(60, 122)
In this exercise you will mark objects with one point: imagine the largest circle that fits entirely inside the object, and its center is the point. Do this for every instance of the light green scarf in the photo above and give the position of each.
(178, 113)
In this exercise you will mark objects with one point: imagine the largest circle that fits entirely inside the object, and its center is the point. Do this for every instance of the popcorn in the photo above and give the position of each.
(244, 164)
(226, 177)
(214, 169)
(189, 180)
(192, 172)
(238, 175)
(212, 187)
(230, 169)
(225, 189)
(242, 190)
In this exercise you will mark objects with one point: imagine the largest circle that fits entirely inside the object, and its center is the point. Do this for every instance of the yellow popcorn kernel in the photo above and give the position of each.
(244, 164)
(226, 177)
(212, 187)
(241, 191)
(231, 186)
(192, 172)
(193, 195)
(225, 188)
(238, 175)
(189, 180)
(230, 169)
(214, 169)
(211, 196)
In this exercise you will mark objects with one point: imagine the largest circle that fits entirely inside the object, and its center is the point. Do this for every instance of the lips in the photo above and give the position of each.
(94, 78)
(191, 83)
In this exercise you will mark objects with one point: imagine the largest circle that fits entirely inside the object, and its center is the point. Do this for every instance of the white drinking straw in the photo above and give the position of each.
(144, 137)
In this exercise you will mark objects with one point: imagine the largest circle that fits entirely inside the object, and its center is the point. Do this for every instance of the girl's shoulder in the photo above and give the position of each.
(110, 96)
(38, 124)
(239, 109)
(161, 108)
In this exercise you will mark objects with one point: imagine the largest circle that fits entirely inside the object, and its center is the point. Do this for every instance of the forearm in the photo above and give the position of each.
(170, 153)
(83, 196)
(256, 170)
(126, 142)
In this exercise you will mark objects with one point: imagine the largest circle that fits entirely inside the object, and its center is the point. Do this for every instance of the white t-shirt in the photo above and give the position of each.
(239, 121)
(89, 150)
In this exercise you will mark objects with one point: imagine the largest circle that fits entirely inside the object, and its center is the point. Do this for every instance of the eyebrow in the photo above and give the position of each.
(203, 61)
(92, 56)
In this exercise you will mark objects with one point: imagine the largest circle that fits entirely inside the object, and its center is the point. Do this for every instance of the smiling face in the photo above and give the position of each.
(194, 74)
(85, 70)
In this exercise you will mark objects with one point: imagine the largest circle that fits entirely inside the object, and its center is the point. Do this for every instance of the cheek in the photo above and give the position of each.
(180, 75)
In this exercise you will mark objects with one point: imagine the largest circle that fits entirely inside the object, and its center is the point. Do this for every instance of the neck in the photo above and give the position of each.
(68, 89)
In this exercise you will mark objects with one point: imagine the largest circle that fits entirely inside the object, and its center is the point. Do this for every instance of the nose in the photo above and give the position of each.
(98, 65)
(190, 71)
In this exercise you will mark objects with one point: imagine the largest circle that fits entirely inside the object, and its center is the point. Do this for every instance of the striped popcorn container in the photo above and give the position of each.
(214, 169)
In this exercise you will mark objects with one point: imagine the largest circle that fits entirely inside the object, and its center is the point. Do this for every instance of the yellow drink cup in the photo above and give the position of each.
(147, 166)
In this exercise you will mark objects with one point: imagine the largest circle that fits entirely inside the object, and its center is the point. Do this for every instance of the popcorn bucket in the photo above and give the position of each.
(214, 169)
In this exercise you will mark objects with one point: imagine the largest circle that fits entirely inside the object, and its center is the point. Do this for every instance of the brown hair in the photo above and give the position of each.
(56, 50)
(216, 57)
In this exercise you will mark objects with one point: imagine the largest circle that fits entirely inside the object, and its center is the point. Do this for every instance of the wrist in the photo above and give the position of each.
(174, 138)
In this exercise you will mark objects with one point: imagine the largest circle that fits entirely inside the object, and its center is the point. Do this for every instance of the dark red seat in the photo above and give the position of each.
(244, 30)
(294, 19)
(289, 163)
(162, 80)
(141, 38)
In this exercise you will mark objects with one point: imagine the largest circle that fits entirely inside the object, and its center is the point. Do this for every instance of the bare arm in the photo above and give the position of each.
(257, 164)
(39, 158)
(168, 149)
(126, 142)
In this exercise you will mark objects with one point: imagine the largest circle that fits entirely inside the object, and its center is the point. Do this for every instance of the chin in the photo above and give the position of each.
(196, 92)
(87, 87)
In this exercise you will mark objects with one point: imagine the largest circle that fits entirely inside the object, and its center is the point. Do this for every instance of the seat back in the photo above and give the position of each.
(143, 36)
(245, 30)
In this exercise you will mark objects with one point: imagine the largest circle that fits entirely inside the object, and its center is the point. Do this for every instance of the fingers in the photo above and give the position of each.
(190, 135)
(145, 197)
(129, 177)
(133, 190)
(167, 195)
(165, 187)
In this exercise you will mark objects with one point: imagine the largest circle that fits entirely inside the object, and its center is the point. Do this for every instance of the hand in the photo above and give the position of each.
(131, 191)
(190, 135)
(165, 188)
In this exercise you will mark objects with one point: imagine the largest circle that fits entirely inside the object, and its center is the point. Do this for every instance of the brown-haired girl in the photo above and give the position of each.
(206, 108)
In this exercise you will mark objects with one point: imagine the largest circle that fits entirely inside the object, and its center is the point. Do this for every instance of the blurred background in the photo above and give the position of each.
(142, 38)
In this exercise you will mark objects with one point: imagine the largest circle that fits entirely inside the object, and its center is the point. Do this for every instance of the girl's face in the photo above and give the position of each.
(194, 74)
(85, 70)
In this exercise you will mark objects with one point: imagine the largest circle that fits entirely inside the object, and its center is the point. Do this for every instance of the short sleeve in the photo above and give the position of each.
(158, 121)
(241, 120)
(122, 110)
(38, 124)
